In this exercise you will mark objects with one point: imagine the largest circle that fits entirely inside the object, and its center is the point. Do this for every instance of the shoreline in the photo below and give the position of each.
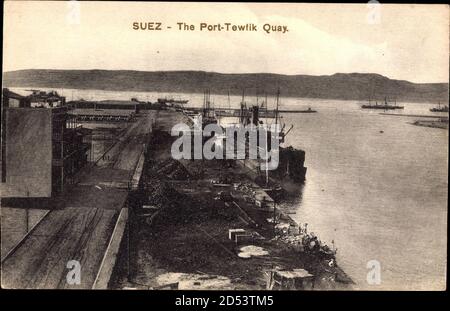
(441, 124)
(163, 93)
(180, 229)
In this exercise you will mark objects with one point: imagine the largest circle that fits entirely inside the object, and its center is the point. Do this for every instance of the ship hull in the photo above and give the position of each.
(287, 179)
(438, 110)
(381, 107)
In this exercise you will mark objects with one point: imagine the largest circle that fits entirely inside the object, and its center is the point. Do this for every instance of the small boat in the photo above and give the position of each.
(309, 110)
(444, 108)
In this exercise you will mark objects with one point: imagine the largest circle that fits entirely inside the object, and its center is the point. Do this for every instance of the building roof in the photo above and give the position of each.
(117, 102)
(101, 112)
(11, 94)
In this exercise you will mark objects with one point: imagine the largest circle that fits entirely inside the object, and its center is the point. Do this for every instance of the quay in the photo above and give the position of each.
(85, 222)
(134, 217)
(413, 115)
(233, 112)
(205, 224)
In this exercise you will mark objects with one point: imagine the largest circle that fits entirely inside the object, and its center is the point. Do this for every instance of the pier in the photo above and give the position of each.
(233, 112)
(414, 115)
(89, 223)
(206, 224)
(205, 220)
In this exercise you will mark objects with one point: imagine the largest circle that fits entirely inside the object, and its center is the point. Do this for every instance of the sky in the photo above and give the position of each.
(406, 42)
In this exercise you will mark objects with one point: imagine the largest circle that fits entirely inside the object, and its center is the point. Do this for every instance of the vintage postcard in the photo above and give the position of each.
(224, 146)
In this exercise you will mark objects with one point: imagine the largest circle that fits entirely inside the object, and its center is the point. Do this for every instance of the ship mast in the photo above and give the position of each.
(242, 117)
(276, 110)
(276, 131)
(265, 101)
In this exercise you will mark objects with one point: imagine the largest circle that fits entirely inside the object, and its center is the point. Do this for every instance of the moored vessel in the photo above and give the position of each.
(385, 106)
(439, 108)
(290, 172)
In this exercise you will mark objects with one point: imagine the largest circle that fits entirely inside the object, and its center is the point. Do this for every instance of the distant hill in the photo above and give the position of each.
(352, 86)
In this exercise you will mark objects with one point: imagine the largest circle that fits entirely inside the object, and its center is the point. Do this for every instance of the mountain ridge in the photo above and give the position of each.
(345, 86)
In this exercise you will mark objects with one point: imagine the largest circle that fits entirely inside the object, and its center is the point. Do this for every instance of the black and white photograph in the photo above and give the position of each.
(224, 146)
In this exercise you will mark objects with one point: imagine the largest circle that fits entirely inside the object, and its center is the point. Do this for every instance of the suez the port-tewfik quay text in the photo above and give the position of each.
(208, 27)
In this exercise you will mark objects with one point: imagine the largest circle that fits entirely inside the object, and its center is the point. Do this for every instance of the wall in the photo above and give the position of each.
(28, 153)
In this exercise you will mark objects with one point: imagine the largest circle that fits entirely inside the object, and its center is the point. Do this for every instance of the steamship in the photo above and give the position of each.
(291, 171)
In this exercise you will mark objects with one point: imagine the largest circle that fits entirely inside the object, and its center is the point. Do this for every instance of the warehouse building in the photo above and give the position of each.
(42, 147)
